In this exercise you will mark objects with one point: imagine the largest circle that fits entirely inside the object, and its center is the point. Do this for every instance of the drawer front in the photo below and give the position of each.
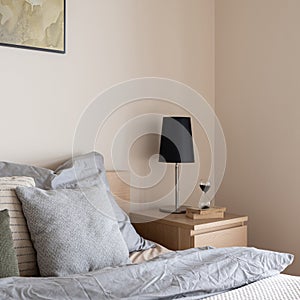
(236, 236)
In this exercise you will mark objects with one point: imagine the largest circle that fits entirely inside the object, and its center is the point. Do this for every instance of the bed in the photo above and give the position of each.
(123, 265)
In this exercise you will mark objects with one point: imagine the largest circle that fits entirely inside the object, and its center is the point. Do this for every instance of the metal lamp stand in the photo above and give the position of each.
(177, 209)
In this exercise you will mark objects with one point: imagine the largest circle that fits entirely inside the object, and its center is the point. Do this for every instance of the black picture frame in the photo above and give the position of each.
(62, 51)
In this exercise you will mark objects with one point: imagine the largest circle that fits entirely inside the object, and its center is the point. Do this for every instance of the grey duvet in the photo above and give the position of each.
(195, 273)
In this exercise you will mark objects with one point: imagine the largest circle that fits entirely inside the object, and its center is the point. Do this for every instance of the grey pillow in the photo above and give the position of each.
(42, 176)
(8, 258)
(72, 231)
(87, 170)
(80, 171)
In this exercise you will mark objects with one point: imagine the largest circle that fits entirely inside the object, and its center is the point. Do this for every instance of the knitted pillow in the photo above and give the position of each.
(87, 170)
(8, 259)
(72, 231)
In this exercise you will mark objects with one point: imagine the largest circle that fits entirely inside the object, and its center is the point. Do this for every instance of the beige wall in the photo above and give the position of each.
(257, 101)
(44, 94)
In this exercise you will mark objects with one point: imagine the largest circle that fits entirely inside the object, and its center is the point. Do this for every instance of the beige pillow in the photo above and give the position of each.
(142, 256)
(25, 252)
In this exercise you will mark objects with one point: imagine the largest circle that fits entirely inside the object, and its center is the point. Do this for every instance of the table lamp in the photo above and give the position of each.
(176, 146)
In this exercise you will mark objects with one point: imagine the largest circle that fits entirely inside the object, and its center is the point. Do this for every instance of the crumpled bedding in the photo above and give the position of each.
(191, 272)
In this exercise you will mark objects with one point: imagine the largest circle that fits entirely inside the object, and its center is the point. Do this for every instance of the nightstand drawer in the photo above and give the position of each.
(165, 235)
(222, 238)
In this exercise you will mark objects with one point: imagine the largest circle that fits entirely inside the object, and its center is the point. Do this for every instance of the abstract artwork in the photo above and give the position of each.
(33, 24)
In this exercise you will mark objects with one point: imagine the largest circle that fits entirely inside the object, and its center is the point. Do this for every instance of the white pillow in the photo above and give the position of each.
(25, 252)
(73, 230)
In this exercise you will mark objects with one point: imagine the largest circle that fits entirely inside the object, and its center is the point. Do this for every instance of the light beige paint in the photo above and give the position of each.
(257, 101)
(44, 94)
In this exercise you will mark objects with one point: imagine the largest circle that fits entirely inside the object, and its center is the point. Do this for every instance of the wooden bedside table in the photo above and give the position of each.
(177, 232)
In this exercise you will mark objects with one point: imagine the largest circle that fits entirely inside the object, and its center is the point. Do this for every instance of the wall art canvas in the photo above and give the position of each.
(33, 24)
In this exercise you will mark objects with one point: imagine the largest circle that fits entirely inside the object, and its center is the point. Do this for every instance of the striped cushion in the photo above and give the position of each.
(26, 254)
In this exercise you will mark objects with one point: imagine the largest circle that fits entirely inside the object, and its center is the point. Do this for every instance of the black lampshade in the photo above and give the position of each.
(176, 144)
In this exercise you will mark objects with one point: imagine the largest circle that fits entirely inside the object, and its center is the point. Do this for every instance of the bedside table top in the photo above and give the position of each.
(180, 220)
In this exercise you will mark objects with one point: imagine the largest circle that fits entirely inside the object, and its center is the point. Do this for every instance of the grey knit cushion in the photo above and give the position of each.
(8, 258)
(72, 231)
(87, 170)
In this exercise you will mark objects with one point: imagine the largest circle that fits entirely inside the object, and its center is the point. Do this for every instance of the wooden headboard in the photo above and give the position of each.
(119, 188)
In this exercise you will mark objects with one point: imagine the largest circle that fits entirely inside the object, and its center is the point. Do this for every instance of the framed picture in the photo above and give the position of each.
(33, 24)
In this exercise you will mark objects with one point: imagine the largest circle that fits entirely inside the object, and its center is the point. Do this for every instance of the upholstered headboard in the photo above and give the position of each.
(119, 188)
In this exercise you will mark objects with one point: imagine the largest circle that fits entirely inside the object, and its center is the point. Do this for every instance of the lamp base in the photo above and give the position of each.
(173, 210)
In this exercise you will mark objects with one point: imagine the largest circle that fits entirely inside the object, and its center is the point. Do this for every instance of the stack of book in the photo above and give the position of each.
(215, 212)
